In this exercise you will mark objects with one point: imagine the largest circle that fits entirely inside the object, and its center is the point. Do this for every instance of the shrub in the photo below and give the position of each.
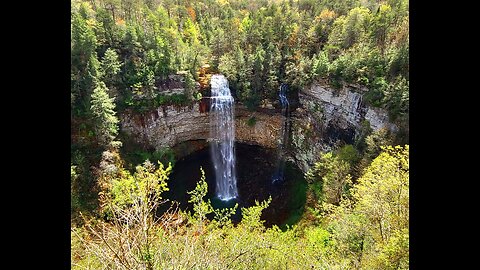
(251, 121)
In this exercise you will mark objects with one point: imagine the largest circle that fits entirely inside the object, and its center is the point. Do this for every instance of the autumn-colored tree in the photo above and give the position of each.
(372, 228)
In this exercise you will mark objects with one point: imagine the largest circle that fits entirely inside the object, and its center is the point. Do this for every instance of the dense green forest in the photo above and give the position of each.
(131, 46)
(122, 51)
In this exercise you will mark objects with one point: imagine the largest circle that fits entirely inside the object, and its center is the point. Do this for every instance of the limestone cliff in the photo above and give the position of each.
(328, 116)
(324, 117)
(168, 126)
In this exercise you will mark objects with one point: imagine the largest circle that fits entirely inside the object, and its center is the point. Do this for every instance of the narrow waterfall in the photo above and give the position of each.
(222, 133)
(279, 173)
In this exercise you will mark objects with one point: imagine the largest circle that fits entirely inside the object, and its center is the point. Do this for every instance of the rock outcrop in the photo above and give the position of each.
(168, 126)
(325, 117)
(329, 116)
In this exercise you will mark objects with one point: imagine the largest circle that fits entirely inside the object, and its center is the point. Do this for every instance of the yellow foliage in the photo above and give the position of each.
(91, 22)
(223, 2)
(327, 15)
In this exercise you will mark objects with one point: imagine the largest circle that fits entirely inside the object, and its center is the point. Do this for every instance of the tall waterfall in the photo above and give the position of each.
(222, 132)
(279, 173)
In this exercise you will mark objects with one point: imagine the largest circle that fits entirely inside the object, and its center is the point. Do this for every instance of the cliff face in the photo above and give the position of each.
(171, 125)
(328, 116)
(166, 126)
(324, 118)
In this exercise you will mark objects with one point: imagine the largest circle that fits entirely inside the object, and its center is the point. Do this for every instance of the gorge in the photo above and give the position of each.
(324, 117)
(237, 134)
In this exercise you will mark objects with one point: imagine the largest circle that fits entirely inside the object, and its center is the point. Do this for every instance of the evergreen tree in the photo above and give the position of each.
(103, 111)
(110, 66)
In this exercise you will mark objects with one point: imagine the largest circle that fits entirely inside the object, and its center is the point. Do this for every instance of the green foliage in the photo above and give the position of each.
(320, 65)
(355, 26)
(382, 197)
(380, 24)
(198, 96)
(82, 185)
(228, 66)
(223, 215)
(164, 155)
(319, 239)
(251, 215)
(190, 87)
(251, 121)
(397, 98)
(364, 131)
(349, 154)
(368, 231)
(103, 111)
(200, 208)
(296, 43)
(331, 174)
(299, 73)
(360, 64)
(375, 142)
(110, 65)
(128, 240)
(126, 49)
(147, 181)
(84, 41)
(143, 105)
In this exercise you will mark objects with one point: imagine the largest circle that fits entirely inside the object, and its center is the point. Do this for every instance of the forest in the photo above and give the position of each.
(125, 57)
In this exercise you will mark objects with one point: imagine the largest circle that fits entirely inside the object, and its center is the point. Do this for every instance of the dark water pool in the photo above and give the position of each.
(255, 166)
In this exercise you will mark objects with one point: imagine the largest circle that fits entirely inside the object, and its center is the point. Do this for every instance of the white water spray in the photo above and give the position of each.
(222, 132)
(279, 174)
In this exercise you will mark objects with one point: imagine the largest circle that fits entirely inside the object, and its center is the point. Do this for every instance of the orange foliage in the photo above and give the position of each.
(292, 40)
(191, 13)
(326, 15)
(204, 75)
(120, 21)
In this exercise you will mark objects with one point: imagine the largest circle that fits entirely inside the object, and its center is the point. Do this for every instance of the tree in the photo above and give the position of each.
(129, 241)
(84, 67)
(74, 198)
(375, 141)
(382, 196)
(228, 66)
(320, 65)
(371, 228)
(380, 24)
(110, 66)
(200, 208)
(190, 86)
(84, 41)
(330, 177)
(106, 32)
(103, 111)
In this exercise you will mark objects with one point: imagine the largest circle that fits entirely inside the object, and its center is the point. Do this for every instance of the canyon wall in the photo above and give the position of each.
(324, 118)
(168, 126)
(330, 116)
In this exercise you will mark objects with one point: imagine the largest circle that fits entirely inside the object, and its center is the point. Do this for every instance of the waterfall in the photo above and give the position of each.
(222, 133)
(279, 173)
